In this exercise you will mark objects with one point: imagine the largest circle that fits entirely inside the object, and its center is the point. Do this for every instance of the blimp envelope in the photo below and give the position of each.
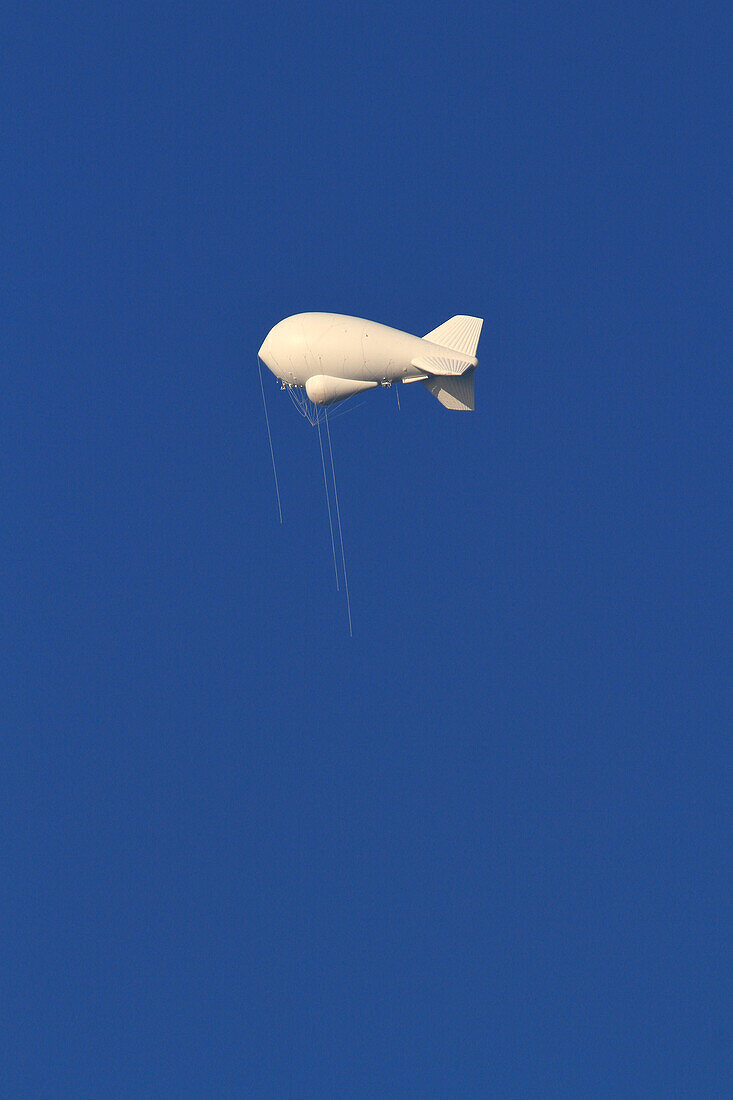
(333, 356)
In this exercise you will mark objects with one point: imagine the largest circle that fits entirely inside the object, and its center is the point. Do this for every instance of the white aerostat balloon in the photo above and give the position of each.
(332, 357)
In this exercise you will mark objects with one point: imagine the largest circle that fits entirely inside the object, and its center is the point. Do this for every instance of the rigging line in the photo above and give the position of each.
(328, 505)
(344, 407)
(297, 402)
(338, 516)
(269, 436)
(397, 391)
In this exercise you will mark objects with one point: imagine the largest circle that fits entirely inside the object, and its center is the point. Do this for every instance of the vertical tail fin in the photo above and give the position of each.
(460, 333)
(454, 391)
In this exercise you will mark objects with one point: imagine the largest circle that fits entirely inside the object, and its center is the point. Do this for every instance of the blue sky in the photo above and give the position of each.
(483, 847)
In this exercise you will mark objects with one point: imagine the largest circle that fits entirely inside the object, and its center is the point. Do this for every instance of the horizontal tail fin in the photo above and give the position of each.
(460, 334)
(443, 364)
(454, 391)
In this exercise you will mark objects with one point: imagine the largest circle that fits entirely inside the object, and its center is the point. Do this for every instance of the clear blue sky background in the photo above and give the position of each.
(483, 847)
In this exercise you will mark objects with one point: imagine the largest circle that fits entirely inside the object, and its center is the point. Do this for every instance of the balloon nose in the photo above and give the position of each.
(266, 354)
(275, 350)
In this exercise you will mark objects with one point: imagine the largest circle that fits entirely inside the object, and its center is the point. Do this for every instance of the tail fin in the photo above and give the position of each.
(455, 391)
(460, 333)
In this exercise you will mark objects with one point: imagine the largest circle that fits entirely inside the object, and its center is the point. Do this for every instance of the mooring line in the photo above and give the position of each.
(328, 505)
(338, 516)
(269, 436)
